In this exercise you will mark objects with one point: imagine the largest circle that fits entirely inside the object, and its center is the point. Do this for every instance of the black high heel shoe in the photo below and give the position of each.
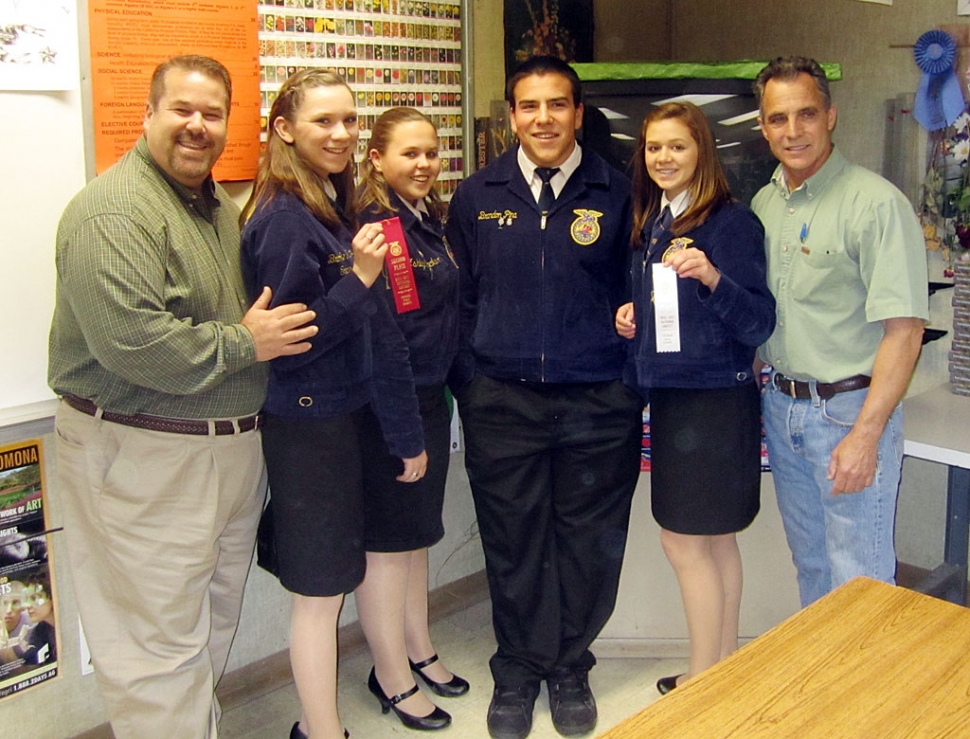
(451, 689)
(435, 720)
(666, 684)
(295, 732)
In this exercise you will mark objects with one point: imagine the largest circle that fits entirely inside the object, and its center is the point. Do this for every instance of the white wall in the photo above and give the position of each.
(43, 167)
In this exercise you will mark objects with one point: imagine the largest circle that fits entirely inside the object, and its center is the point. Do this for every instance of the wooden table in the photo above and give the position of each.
(867, 661)
(937, 428)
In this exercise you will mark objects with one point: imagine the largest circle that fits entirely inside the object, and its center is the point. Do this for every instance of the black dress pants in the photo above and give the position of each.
(552, 471)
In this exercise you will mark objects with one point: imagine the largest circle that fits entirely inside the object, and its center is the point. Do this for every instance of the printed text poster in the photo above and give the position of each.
(129, 38)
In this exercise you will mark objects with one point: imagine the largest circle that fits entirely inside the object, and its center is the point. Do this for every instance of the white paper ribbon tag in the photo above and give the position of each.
(666, 311)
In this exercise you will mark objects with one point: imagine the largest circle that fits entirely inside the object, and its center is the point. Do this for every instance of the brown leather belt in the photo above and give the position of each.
(168, 425)
(826, 390)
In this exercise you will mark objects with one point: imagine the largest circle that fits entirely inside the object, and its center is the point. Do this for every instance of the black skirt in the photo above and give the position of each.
(705, 458)
(403, 516)
(315, 470)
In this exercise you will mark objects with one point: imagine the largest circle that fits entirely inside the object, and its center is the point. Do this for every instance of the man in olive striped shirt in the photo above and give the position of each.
(160, 364)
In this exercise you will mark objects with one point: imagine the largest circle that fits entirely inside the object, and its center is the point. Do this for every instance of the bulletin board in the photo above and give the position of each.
(391, 52)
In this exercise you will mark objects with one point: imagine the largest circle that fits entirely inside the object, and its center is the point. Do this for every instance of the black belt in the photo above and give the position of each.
(825, 390)
(168, 425)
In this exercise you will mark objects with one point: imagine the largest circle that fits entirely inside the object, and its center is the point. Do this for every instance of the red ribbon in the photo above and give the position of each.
(400, 274)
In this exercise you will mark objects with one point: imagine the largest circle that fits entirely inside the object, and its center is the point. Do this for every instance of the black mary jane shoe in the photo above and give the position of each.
(666, 684)
(295, 732)
(434, 721)
(451, 689)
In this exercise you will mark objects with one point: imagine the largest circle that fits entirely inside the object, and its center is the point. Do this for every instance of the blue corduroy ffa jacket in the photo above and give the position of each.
(538, 304)
(358, 356)
(431, 331)
(719, 331)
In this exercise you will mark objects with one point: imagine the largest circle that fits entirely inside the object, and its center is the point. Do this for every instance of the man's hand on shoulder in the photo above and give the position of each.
(280, 331)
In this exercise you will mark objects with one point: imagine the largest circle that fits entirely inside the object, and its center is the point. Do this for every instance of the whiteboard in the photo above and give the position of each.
(42, 168)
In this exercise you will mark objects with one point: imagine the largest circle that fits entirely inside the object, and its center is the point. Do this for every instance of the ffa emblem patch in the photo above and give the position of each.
(681, 242)
(396, 249)
(585, 230)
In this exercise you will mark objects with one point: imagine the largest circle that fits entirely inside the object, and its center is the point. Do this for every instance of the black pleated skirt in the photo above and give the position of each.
(705, 458)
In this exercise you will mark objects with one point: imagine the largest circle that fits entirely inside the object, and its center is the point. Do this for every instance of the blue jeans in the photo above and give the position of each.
(833, 538)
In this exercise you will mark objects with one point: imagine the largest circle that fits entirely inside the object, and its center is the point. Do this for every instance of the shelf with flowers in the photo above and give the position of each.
(945, 197)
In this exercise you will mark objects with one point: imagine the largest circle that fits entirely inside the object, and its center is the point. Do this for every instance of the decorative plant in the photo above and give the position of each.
(945, 200)
(546, 35)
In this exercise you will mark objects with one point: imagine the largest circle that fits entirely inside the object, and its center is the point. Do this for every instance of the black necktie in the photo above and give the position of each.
(661, 225)
(546, 196)
(431, 223)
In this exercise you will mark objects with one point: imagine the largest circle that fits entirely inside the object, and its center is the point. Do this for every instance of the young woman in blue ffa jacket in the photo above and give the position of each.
(398, 180)
(298, 241)
(699, 262)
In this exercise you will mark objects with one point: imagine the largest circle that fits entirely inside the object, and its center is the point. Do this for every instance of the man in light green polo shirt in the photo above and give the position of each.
(847, 267)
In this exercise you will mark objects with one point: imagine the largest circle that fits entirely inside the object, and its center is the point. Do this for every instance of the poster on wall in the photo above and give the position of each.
(560, 28)
(28, 637)
(38, 45)
(129, 38)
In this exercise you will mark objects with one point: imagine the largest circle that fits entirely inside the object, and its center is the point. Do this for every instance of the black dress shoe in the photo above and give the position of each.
(510, 712)
(571, 702)
(666, 684)
(451, 689)
(435, 720)
(295, 732)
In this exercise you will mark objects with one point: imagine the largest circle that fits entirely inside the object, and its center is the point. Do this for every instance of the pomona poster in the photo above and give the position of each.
(28, 637)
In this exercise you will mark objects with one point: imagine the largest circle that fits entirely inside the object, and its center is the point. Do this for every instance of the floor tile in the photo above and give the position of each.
(465, 642)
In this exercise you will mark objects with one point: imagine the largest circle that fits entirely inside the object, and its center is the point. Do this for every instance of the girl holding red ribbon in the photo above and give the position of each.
(397, 189)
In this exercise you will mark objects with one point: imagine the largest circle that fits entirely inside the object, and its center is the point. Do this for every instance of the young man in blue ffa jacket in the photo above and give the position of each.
(541, 237)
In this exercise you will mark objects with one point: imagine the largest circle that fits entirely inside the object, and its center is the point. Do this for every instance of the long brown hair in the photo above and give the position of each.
(282, 169)
(708, 189)
(374, 189)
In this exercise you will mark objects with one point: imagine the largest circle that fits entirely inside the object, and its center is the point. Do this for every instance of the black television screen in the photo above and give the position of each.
(615, 110)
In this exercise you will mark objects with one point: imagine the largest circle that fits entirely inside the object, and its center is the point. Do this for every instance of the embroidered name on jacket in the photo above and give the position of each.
(504, 219)
(586, 229)
(344, 259)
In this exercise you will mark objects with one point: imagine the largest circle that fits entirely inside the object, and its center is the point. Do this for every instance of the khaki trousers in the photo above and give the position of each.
(160, 530)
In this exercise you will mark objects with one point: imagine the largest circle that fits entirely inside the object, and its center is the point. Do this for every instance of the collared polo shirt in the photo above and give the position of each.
(845, 252)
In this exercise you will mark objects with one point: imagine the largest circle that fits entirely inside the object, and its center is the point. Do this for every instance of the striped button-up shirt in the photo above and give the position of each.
(149, 298)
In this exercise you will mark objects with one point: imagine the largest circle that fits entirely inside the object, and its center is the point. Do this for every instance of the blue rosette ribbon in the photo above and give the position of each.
(939, 99)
